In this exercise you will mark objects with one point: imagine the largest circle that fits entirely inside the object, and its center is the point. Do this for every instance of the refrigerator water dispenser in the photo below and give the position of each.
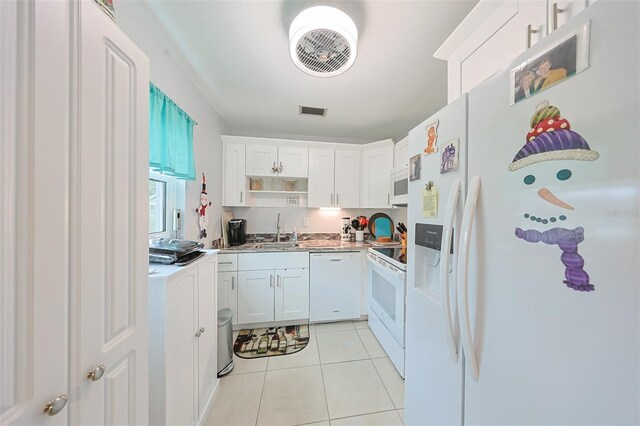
(428, 241)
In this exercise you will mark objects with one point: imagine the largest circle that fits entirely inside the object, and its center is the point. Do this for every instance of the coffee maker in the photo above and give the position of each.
(237, 232)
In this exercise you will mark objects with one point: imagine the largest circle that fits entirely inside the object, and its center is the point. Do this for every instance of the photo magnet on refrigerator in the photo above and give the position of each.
(432, 137)
(449, 157)
(551, 139)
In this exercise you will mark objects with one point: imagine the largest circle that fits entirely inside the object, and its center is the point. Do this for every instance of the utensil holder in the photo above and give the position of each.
(359, 236)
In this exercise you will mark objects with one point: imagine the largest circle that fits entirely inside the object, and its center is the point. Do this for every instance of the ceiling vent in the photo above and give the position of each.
(323, 41)
(305, 110)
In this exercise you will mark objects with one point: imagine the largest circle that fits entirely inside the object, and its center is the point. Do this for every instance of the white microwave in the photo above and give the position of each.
(400, 186)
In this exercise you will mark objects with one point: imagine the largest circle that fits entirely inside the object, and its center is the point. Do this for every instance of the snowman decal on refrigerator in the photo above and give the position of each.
(549, 139)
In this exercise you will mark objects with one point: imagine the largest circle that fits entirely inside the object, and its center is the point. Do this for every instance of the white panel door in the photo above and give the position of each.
(538, 342)
(561, 11)
(207, 327)
(347, 179)
(234, 175)
(294, 161)
(376, 172)
(255, 296)
(262, 160)
(33, 209)
(181, 353)
(109, 204)
(292, 294)
(228, 292)
(321, 177)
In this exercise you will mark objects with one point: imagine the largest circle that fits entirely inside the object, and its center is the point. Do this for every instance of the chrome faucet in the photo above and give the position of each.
(278, 229)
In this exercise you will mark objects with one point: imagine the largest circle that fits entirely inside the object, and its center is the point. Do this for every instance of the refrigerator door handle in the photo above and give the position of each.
(463, 275)
(445, 255)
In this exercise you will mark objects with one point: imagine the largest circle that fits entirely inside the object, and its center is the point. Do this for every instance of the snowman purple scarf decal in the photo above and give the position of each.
(551, 138)
(568, 240)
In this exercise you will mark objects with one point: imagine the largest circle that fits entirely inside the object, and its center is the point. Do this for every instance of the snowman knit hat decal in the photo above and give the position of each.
(551, 138)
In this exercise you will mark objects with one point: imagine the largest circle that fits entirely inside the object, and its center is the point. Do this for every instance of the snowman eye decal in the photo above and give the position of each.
(529, 179)
(563, 174)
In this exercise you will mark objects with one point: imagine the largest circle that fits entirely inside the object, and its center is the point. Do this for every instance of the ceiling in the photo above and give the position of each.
(240, 53)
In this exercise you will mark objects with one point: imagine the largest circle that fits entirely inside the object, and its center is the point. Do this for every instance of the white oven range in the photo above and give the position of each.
(386, 295)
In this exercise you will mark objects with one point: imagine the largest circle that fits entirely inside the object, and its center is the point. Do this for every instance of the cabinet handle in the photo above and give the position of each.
(241, 196)
(556, 10)
(278, 283)
(529, 32)
(274, 169)
(337, 199)
(280, 168)
(233, 283)
(331, 199)
(225, 263)
(96, 374)
(199, 332)
(388, 198)
(54, 406)
(271, 281)
(202, 329)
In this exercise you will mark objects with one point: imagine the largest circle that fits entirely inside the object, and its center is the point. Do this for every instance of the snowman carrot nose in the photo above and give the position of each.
(547, 195)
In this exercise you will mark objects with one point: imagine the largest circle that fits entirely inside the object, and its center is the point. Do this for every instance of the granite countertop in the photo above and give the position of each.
(309, 245)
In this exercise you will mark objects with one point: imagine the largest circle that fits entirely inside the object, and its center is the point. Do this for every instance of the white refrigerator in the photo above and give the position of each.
(534, 318)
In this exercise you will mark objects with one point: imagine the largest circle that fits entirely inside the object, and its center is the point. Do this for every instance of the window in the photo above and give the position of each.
(157, 206)
(162, 202)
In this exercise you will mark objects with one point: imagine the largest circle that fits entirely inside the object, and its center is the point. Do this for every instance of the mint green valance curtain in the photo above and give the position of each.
(170, 137)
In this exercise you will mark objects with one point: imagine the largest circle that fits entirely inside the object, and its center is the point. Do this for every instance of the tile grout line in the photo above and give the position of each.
(378, 373)
(367, 414)
(262, 394)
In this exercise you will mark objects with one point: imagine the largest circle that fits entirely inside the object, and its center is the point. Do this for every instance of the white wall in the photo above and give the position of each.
(263, 219)
(174, 80)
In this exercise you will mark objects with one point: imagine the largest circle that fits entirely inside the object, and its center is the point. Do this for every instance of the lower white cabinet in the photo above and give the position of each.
(228, 292)
(272, 287)
(182, 337)
(273, 295)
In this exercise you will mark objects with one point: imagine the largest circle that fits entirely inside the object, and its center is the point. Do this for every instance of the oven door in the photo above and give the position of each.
(399, 187)
(386, 295)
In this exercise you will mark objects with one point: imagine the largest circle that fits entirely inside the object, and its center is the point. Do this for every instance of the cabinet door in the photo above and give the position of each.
(292, 294)
(110, 233)
(401, 154)
(294, 161)
(376, 168)
(207, 327)
(500, 41)
(255, 296)
(234, 175)
(561, 11)
(347, 179)
(321, 177)
(261, 160)
(228, 292)
(181, 353)
(34, 180)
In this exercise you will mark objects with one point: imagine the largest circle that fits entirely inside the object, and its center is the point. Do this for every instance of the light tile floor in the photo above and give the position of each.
(343, 377)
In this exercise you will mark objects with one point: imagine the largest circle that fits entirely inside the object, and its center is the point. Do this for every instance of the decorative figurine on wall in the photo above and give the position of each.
(551, 139)
(432, 137)
(203, 219)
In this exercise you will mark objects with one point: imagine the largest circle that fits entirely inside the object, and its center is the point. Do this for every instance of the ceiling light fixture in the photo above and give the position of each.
(323, 41)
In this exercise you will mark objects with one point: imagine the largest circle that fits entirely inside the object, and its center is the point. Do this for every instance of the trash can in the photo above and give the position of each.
(225, 342)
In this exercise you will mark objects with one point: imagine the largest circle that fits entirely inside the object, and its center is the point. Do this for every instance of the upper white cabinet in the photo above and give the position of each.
(377, 161)
(494, 33)
(401, 154)
(321, 177)
(334, 178)
(347, 178)
(272, 160)
(234, 176)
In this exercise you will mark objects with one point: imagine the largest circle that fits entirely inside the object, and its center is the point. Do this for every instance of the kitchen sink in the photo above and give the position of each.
(274, 244)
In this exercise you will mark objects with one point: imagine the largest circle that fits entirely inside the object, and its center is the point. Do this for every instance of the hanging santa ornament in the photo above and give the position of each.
(203, 219)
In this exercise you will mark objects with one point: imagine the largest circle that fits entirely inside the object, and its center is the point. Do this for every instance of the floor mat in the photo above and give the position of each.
(274, 341)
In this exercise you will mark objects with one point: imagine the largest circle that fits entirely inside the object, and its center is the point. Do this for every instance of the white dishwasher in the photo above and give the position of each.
(335, 286)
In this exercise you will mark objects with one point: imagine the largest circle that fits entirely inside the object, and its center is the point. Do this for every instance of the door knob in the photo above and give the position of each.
(54, 406)
(96, 374)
